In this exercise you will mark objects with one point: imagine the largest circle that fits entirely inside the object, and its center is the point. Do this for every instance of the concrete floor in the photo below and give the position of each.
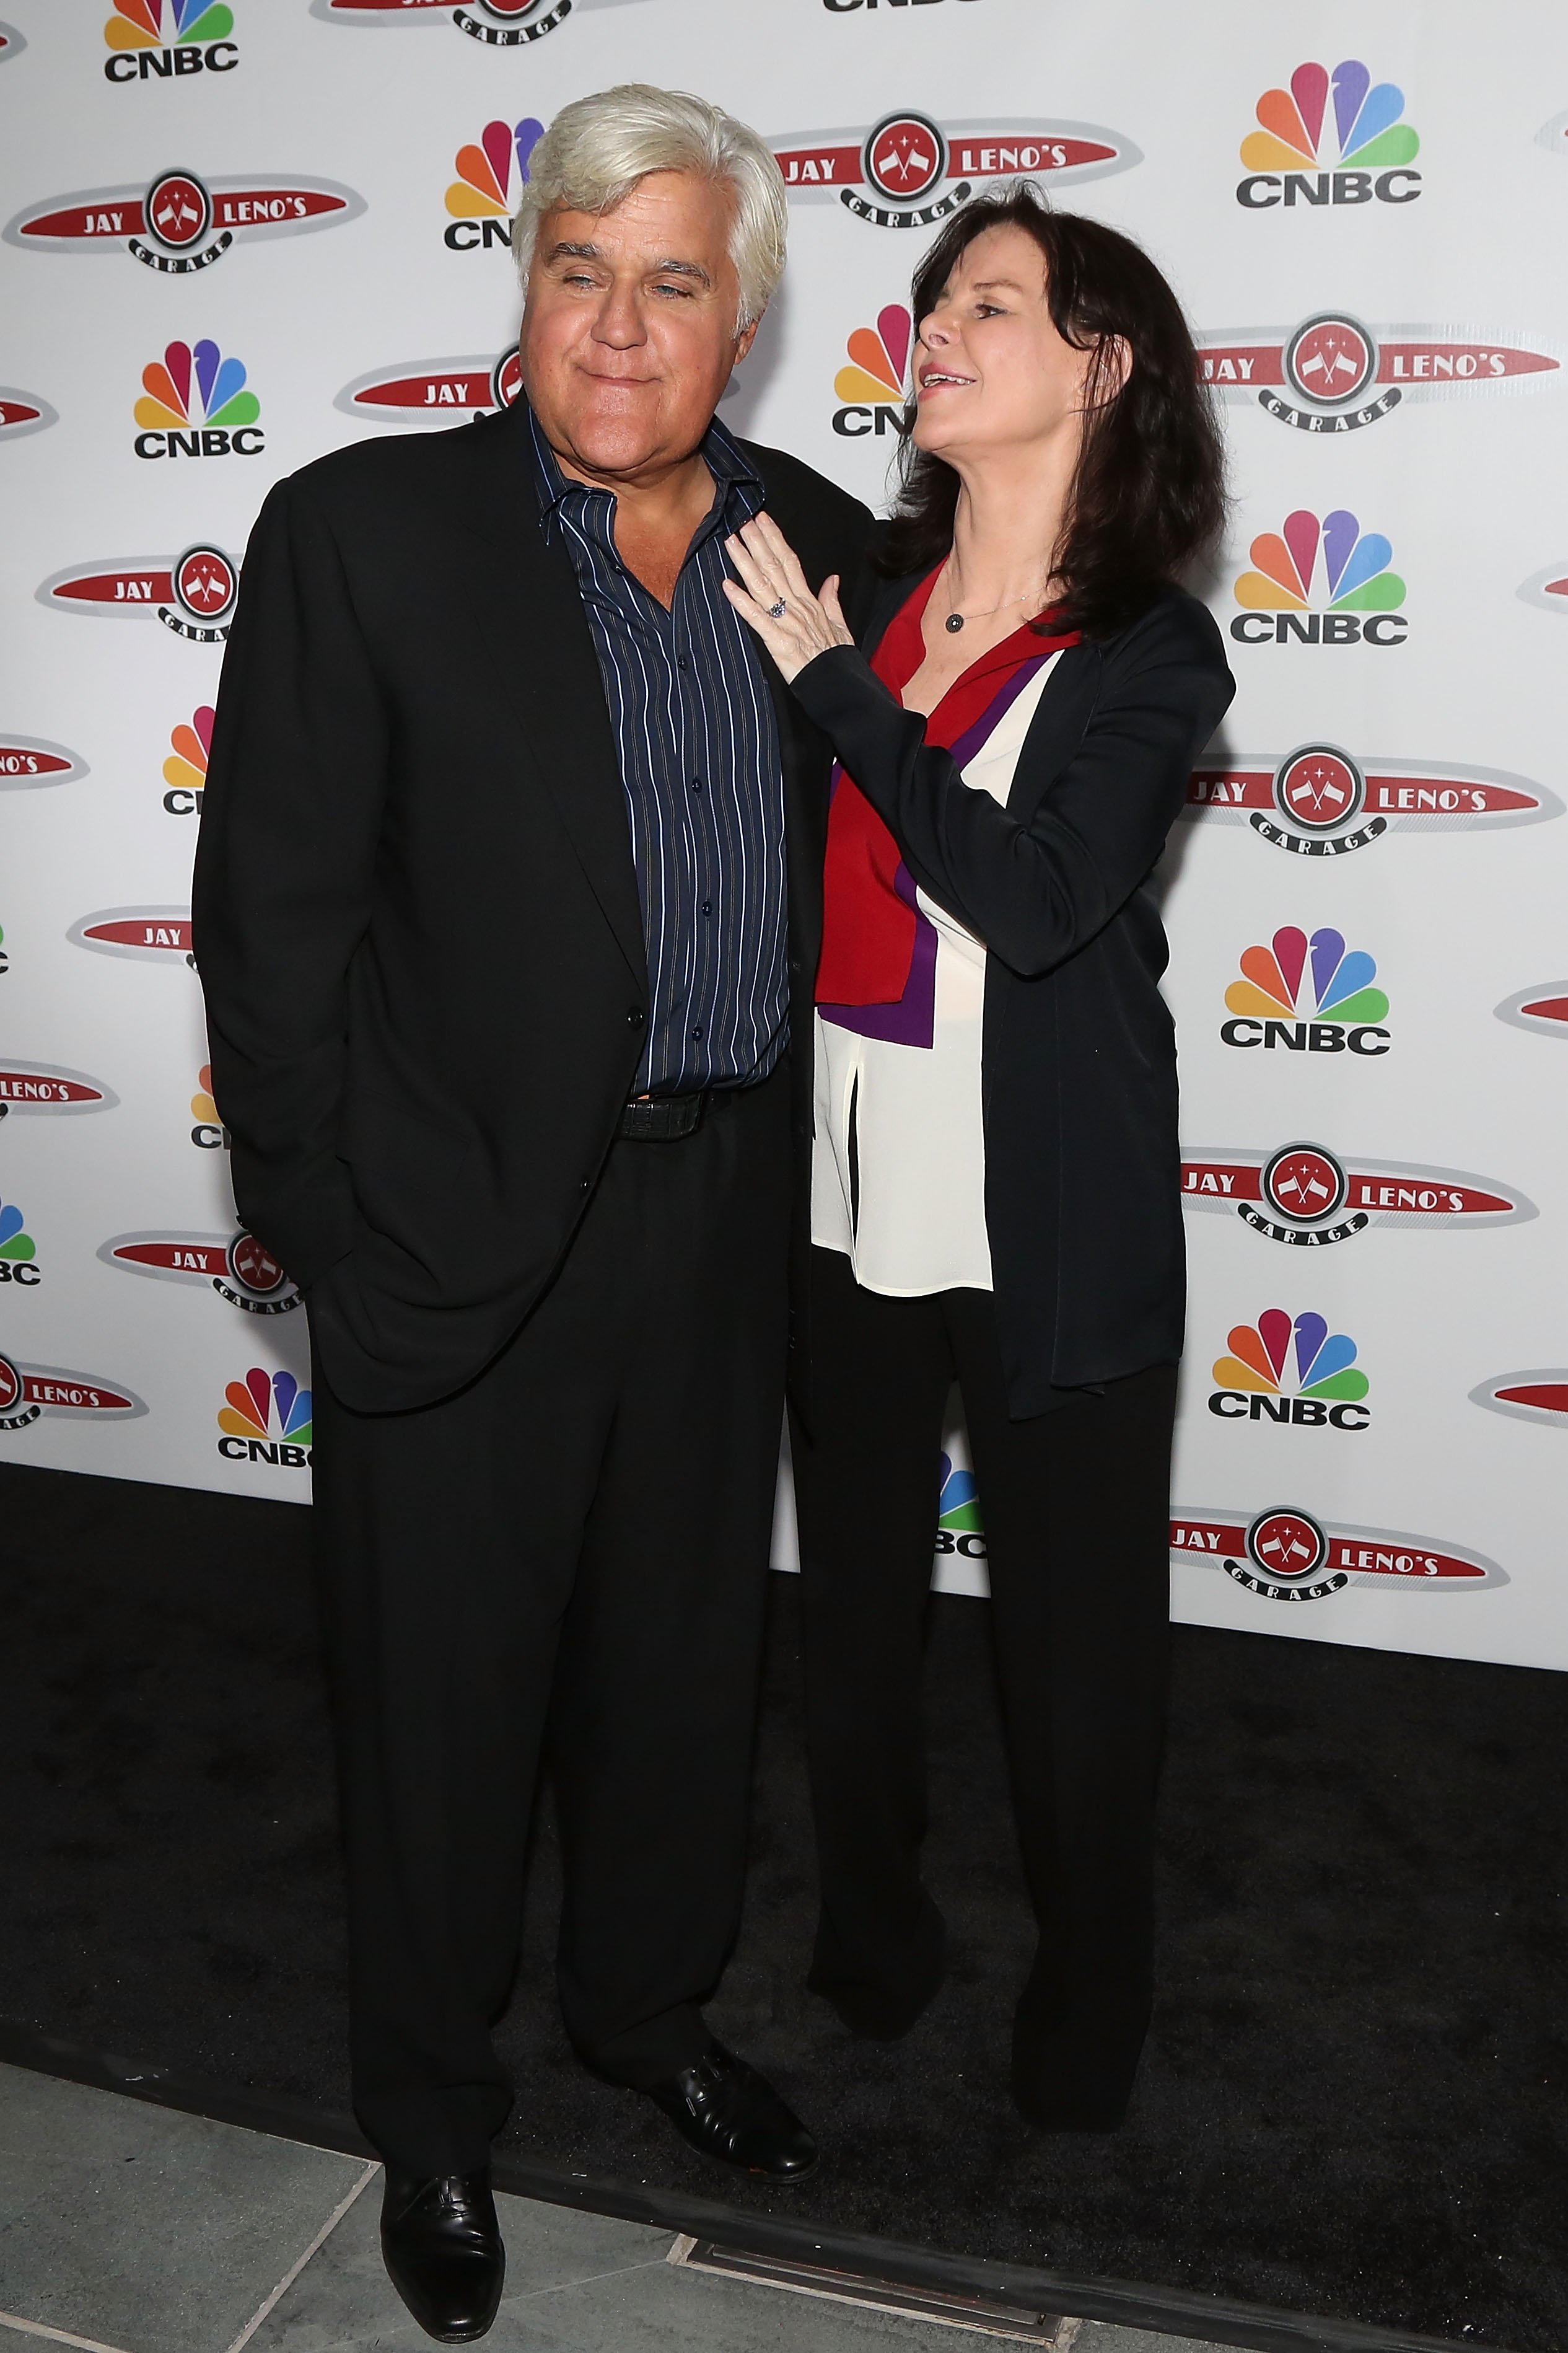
(131, 2229)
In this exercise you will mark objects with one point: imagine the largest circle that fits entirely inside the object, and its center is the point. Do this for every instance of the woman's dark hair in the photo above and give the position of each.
(1149, 489)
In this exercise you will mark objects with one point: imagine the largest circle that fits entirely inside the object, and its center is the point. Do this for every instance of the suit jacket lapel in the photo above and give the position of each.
(527, 606)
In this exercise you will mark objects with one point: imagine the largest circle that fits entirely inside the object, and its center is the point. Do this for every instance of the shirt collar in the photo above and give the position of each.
(741, 487)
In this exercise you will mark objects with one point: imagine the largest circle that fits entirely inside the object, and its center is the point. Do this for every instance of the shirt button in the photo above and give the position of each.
(681, 662)
(707, 906)
(636, 1016)
(696, 784)
(698, 1031)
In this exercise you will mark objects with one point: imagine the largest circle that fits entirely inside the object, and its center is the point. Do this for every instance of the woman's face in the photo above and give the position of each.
(991, 372)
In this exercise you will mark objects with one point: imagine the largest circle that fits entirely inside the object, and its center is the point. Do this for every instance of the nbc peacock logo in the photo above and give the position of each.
(1307, 995)
(266, 1417)
(164, 40)
(18, 1252)
(1359, 151)
(492, 175)
(1324, 582)
(870, 383)
(497, 24)
(1291, 1370)
(208, 1133)
(195, 404)
(959, 1526)
(185, 769)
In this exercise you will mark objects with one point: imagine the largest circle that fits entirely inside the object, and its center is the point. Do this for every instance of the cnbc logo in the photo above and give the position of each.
(266, 1417)
(1319, 584)
(160, 40)
(185, 769)
(489, 182)
(959, 1528)
(18, 1252)
(209, 1133)
(870, 385)
(1358, 152)
(194, 404)
(1291, 1370)
(1307, 996)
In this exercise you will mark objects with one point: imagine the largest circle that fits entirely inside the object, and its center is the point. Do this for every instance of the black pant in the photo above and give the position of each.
(1076, 1508)
(580, 1534)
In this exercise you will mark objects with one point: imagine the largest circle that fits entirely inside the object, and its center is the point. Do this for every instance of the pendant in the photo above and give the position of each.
(955, 622)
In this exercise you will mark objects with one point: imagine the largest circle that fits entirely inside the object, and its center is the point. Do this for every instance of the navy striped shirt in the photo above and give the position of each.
(698, 738)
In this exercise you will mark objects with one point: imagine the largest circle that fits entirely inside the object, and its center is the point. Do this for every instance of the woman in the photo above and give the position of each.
(995, 1181)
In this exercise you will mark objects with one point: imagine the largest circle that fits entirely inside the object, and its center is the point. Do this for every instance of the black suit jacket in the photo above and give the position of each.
(1082, 1161)
(416, 915)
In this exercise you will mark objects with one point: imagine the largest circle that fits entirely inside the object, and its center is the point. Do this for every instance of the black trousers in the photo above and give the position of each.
(577, 1540)
(1076, 1508)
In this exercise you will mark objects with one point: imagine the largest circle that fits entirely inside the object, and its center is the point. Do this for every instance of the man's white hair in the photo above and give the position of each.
(598, 148)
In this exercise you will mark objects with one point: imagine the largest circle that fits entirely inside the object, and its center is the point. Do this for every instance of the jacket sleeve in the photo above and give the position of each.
(291, 817)
(1036, 891)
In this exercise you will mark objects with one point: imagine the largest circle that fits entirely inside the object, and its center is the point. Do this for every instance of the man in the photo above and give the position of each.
(508, 893)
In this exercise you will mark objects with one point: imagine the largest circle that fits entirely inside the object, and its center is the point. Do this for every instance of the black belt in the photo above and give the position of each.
(663, 1118)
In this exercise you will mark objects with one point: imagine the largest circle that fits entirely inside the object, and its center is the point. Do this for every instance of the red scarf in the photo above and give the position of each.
(869, 928)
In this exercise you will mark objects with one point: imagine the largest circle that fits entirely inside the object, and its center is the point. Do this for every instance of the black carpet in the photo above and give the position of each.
(1353, 2101)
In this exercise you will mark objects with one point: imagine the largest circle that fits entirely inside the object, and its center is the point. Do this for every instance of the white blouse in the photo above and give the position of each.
(898, 1162)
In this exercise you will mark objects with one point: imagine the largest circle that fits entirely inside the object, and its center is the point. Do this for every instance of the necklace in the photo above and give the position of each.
(954, 622)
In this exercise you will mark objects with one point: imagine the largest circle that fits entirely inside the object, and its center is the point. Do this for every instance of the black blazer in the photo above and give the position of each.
(1083, 1162)
(416, 915)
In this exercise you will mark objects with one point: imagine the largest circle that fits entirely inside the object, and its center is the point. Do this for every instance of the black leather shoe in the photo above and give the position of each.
(442, 2247)
(726, 2110)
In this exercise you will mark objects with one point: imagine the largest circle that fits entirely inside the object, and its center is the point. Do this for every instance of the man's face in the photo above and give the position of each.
(628, 333)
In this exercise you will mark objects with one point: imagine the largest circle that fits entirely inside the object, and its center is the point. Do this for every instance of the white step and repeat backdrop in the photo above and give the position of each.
(236, 236)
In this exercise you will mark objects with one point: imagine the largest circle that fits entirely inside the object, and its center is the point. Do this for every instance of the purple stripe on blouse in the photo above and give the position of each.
(912, 1021)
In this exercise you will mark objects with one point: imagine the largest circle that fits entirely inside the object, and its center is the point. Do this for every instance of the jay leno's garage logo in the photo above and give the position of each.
(1321, 801)
(23, 412)
(1330, 373)
(239, 1269)
(180, 222)
(1286, 1554)
(191, 593)
(497, 24)
(27, 1392)
(1306, 1197)
(422, 391)
(908, 171)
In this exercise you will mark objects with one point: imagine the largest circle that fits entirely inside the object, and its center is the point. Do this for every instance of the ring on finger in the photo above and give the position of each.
(776, 611)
